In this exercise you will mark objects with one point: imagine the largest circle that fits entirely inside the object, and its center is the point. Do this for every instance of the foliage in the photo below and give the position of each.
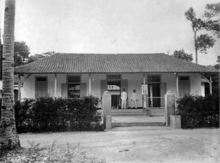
(48, 114)
(212, 10)
(198, 111)
(21, 53)
(204, 41)
(39, 56)
(50, 153)
(182, 55)
(215, 81)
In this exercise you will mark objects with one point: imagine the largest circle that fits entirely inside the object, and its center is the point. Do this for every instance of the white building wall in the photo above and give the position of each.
(96, 84)
(203, 89)
(61, 78)
(195, 82)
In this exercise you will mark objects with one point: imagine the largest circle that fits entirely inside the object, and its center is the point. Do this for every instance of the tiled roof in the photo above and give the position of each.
(110, 63)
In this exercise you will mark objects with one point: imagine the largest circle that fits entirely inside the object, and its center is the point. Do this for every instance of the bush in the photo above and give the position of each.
(198, 111)
(48, 114)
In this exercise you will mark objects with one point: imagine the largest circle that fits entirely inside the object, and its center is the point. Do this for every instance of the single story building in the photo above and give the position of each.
(76, 75)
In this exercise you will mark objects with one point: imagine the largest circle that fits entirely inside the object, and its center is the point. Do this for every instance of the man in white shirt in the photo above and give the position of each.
(124, 97)
(134, 99)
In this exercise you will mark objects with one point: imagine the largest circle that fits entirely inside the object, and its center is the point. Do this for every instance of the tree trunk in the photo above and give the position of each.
(196, 49)
(8, 134)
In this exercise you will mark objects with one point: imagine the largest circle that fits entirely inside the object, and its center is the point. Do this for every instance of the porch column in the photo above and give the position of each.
(19, 87)
(144, 82)
(55, 85)
(210, 85)
(90, 83)
(177, 85)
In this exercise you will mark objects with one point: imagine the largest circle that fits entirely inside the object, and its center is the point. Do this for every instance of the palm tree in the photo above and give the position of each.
(8, 134)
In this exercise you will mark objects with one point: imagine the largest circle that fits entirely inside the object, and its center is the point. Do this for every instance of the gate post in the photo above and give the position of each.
(169, 106)
(106, 107)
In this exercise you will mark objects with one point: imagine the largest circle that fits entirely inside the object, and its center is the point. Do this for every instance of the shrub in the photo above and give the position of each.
(48, 114)
(198, 111)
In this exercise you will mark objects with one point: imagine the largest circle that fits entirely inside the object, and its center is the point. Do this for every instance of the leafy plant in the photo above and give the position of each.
(49, 114)
(198, 111)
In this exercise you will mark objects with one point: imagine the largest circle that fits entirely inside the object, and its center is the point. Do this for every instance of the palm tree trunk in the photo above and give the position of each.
(8, 134)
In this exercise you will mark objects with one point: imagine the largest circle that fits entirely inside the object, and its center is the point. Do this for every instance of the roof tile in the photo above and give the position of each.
(110, 63)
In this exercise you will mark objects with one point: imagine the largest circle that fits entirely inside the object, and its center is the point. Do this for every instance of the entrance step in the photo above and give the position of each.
(138, 112)
(126, 124)
(128, 112)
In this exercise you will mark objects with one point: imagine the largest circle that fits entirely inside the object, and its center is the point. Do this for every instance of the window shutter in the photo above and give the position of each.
(64, 90)
(82, 89)
(103, 86)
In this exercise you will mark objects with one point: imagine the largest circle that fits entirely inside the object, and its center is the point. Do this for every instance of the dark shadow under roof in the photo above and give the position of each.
(111, 63)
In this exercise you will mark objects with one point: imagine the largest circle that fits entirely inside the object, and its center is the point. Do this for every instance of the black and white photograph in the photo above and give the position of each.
(109, 81)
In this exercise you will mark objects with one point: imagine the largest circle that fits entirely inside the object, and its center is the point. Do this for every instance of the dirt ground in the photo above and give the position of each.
(140, 144)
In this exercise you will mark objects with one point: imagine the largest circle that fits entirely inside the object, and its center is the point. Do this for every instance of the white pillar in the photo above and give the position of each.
(90, 83)
(144, 82)
(19, 87)
(55, 85)
(210, 85)
(177, 85)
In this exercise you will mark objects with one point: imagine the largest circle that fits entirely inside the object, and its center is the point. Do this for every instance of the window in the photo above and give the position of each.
(41, 79)
(41, 86)
(73, 86)
(154, 78)
(73, 79)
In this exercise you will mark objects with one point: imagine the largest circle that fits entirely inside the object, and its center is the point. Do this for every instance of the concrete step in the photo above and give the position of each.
(126, 124)
(138, 112)
(128, 112)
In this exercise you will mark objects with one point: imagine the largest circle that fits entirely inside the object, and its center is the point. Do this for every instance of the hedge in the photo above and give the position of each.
(48, 114)
(198, 111)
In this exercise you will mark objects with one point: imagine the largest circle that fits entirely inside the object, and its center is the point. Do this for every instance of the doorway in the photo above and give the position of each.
(114, 88)
(154, 92)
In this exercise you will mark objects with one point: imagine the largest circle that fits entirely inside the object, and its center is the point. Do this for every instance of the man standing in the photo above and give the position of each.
(124, 97)
(134, 99)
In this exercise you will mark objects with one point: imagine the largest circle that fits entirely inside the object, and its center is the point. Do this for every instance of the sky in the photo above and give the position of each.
(109, 26)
